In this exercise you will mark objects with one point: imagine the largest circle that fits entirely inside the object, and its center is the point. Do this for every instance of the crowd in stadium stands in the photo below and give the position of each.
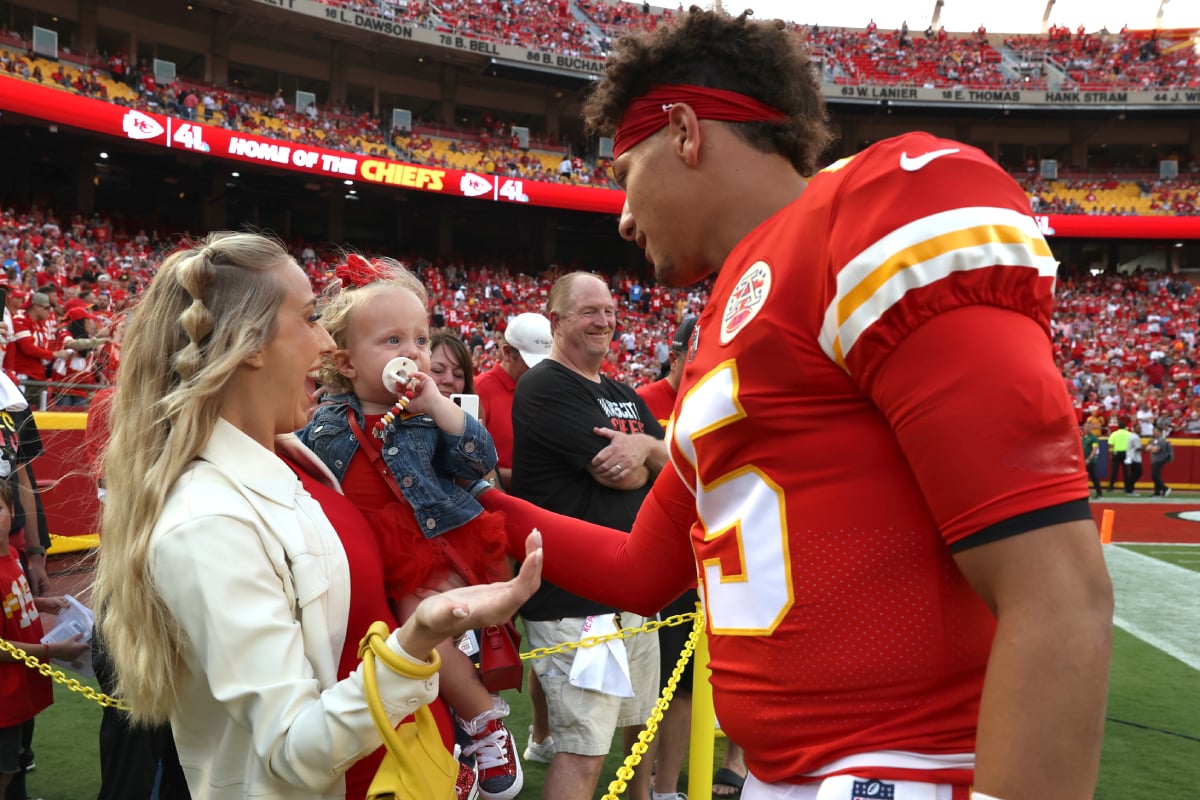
(501, 156)
(490, 147)
(1112, 196)
(540, 26)
(1126, 345)
(619, 18)
(1136, 60)
(931, 60)
(548, 26)
(71, 257)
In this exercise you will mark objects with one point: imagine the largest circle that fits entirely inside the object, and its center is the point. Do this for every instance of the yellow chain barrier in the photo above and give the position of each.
(639, 748)
(623, 633)
(60, 677)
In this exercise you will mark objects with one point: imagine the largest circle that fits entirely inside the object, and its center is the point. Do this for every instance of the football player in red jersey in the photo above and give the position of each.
(901, 602)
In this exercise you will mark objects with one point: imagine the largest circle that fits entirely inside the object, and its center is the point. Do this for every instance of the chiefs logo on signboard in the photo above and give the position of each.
(474, 185)
(138, 126)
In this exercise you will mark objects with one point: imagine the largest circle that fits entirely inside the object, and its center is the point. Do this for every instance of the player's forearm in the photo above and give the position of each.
(1041, 721)
(656, 455)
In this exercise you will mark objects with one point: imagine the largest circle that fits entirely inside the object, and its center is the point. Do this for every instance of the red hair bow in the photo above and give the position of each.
(357, 272)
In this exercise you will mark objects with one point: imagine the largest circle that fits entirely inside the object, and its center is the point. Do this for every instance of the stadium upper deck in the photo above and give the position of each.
(466, 92)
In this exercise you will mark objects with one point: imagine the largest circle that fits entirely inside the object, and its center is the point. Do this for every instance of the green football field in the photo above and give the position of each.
(1152, 739)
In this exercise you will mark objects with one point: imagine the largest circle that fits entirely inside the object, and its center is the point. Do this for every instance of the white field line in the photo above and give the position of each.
(1157, 602)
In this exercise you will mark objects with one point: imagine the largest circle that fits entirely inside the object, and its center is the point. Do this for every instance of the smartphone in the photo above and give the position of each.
(468, 403)
(3, 298)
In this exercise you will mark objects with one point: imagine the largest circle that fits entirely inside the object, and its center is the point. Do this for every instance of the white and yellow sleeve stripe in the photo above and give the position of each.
(920, 254)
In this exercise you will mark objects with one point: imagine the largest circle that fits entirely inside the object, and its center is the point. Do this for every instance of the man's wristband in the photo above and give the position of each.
(36, 550)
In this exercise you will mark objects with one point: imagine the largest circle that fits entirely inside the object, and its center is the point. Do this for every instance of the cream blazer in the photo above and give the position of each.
(258, 581)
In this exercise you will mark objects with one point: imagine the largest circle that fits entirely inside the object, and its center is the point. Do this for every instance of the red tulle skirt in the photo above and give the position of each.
(411, 561)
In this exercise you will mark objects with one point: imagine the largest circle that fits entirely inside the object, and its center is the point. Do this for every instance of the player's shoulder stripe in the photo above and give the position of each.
(921, 253)
(839, 164)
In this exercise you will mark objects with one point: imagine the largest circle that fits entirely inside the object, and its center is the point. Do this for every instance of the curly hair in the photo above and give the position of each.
(338, 304)
(761, 59)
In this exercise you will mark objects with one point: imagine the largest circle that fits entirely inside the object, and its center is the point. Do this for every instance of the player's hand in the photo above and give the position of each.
(449, 614)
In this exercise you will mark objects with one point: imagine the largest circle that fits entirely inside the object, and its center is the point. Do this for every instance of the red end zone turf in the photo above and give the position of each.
(1152, 521)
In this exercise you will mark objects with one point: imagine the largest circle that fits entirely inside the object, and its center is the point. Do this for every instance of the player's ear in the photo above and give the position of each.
(685, 133)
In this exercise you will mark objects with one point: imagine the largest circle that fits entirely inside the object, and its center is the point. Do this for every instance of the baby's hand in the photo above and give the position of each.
(428, 399)
(423, 394)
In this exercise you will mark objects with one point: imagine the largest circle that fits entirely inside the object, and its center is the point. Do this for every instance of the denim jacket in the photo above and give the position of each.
(423, 459)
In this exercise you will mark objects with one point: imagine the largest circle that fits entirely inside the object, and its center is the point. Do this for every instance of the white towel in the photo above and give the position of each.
(605, 667)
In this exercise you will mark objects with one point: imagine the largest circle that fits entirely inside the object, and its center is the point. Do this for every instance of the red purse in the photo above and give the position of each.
(500, 664)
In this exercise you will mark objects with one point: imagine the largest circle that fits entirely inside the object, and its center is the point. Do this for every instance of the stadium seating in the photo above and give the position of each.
(1145, 195)
(1137, 60)
(898, 57)
(476, 149)
(491, 290)
(1109, 329)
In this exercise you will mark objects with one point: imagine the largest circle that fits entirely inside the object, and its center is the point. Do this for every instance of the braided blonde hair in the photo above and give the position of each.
(209, 308)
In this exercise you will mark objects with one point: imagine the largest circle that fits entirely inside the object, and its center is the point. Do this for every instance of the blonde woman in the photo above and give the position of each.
(229, 552)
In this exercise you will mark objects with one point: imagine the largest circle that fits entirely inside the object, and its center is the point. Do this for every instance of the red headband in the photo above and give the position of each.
(648, 113)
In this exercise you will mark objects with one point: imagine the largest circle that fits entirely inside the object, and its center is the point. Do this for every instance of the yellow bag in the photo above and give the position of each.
(417, 765)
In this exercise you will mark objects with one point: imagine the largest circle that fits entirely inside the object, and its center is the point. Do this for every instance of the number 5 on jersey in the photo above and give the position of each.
(742, 513)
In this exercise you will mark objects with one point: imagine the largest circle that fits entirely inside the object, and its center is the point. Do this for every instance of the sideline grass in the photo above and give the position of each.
(1151, 747)
(1152, 737)
(1153, 706)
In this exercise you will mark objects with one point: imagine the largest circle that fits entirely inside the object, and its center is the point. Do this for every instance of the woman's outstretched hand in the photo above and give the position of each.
(448, 614)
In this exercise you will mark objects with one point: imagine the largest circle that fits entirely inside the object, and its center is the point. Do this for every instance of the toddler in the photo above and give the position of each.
(401, 473)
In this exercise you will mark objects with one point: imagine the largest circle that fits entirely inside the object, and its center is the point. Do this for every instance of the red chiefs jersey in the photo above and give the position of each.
(23, 692)
(29, 350)
(660, 399)
(839, 623)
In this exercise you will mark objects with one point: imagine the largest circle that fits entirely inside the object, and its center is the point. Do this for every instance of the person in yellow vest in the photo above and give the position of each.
(1118, 441)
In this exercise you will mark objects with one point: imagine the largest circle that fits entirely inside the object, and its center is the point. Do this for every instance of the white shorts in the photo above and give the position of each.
(850, 787)
(582, 722)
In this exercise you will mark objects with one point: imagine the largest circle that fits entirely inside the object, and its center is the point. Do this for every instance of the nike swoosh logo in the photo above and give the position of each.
(917, 162)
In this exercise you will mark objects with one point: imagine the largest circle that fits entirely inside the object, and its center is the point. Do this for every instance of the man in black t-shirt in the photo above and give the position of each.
(588, 447)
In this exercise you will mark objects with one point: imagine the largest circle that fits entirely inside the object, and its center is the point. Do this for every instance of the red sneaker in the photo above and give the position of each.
(467, 787)
(500, 775)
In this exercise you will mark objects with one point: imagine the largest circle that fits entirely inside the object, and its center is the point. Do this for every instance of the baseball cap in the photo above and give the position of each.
(39, 299)
(76, 313)
(530, 334)
(683, 335)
